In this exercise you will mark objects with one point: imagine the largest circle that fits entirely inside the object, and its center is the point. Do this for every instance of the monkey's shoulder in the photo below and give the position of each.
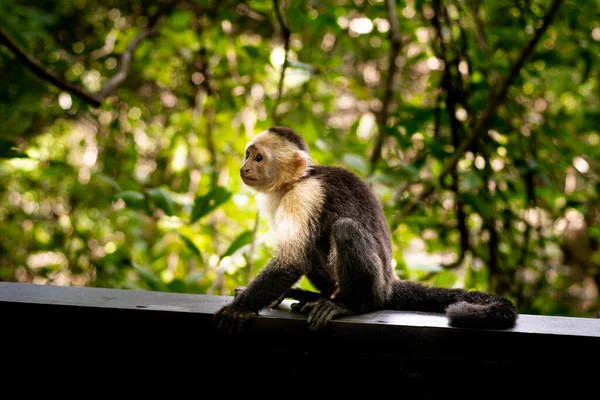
(335, 176)
(342, 185)
(347, 195)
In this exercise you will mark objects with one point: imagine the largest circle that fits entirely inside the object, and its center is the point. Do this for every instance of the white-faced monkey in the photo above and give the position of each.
(331, 228)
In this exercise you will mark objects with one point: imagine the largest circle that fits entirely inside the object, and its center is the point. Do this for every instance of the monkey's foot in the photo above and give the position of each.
(322, 311)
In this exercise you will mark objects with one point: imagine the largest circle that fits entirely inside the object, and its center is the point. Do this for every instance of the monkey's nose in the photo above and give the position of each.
(244, 170)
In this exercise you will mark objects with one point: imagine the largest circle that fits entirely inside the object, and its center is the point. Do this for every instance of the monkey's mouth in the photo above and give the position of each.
(248, 180)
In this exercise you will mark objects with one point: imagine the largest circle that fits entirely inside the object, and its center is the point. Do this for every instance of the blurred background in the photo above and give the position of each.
(476, 122)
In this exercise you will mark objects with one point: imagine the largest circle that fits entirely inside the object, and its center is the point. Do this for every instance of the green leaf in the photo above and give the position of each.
(408, 171)
(109, 181)
(190, 245)
(177, 286)
(181, 19)
(481, 206)
(8, 150)
(403, 140)
(203, 205)
(162, 200)
(151, 279)
(238, 243)
(133, 199)
(470, 180)
(252, 51)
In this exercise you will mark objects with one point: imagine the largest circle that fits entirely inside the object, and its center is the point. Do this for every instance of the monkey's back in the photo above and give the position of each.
(348, 196)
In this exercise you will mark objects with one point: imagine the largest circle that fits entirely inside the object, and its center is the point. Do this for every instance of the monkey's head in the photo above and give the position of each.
(274, 159)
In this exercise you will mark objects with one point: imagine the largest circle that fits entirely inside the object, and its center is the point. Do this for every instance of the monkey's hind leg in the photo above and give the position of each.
(359, 266)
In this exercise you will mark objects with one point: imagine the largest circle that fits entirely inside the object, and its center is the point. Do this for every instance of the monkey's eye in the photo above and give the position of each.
(247, 154)
(258, 158)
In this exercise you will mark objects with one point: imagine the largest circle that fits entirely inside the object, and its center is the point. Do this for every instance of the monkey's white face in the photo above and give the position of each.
(256, 171)
(271, 163)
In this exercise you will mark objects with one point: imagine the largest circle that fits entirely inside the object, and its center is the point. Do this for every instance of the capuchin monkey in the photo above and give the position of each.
(330, 227)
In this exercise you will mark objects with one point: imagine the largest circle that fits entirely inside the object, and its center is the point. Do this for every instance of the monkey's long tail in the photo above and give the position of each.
(465, 309)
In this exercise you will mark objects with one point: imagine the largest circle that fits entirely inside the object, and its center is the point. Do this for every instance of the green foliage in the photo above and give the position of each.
(153, 281)
(239, 242)
(134, 200)
(203, 205)
(143, 192)
(190, 245)
(162, 200)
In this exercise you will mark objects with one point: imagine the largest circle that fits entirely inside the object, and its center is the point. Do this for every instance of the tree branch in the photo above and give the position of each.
(479, 31)
(452, 98)
(46, 74)
(107, 48)
(496, 100)
(94, 99)
(396, 44)
(482, 124)
(150, 30)
(285, 31)
(530, 194)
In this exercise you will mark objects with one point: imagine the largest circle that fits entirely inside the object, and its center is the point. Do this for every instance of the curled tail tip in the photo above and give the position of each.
(496, 315)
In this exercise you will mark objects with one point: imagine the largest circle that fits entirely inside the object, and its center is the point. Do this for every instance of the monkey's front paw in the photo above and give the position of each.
(321, 312)
(231, 320)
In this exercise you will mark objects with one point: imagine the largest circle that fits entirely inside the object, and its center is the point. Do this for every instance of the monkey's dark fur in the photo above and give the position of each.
(349, 260)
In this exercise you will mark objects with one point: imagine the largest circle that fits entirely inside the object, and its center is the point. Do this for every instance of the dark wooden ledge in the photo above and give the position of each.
(406, 346)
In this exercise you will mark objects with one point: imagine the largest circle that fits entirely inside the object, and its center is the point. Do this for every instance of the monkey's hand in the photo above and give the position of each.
(322, 311)
(231, 319)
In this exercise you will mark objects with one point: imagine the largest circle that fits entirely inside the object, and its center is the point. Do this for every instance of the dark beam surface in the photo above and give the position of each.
(411, 348)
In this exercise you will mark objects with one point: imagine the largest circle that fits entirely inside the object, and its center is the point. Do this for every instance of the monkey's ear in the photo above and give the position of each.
(300, 163)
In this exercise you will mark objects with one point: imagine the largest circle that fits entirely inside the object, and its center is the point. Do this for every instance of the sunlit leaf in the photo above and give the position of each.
(110, 181)
(151, 279)
(8, 150)
(203, 205)
(190, 245)
(134, 200)
(177, 286)
(162, 200)
(238, 243)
